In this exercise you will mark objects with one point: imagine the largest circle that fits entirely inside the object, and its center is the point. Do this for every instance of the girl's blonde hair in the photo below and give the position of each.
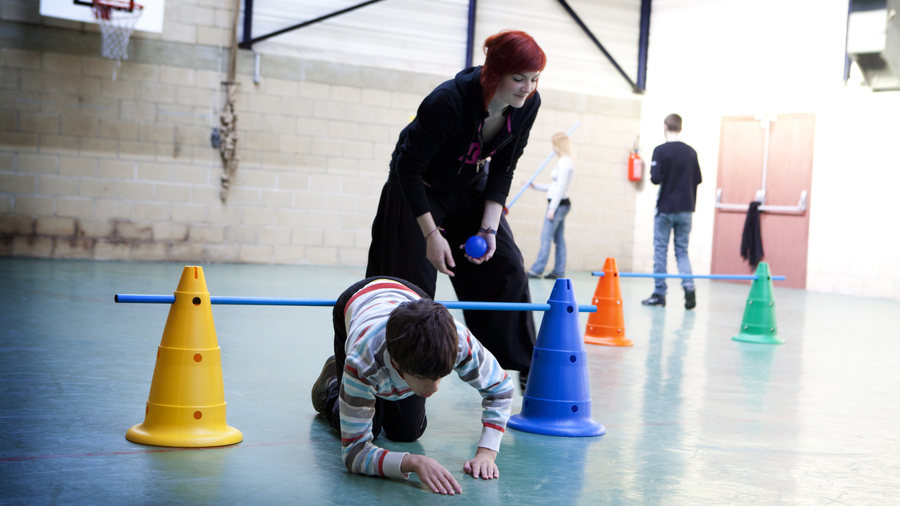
(562, 144)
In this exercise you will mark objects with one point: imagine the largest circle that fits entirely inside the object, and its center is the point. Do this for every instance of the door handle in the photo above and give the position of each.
(800, 208)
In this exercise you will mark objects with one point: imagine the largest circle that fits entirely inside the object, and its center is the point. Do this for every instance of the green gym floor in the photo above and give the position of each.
(692, 416)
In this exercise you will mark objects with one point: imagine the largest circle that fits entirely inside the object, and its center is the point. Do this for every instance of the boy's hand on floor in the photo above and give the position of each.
(432, 474)
(482, 465)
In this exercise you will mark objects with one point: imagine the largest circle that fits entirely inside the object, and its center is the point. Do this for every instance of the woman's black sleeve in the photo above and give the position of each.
(436, 120)
(504, 164)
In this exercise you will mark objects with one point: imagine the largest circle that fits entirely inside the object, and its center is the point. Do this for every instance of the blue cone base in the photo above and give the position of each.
(556, 418)
(756, 338)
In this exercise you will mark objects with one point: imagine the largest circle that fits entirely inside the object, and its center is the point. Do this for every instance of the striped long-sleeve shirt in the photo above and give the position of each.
(368, 374)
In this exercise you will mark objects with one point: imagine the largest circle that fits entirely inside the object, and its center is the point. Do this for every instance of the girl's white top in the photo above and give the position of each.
(559, 188)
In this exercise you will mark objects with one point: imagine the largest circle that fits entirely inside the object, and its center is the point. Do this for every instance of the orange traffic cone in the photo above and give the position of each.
(186, 407)
(607, 325)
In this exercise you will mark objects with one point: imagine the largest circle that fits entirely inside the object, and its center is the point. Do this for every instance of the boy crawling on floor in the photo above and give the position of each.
(392, 347)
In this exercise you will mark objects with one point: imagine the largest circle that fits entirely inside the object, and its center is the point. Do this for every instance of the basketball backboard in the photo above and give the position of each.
(150, 21)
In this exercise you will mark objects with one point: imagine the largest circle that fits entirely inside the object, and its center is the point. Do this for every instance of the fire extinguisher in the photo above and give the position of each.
(635, 164)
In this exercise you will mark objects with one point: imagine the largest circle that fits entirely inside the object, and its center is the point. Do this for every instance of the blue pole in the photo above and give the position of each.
(538, 171)
(124, 298)
(750, 277)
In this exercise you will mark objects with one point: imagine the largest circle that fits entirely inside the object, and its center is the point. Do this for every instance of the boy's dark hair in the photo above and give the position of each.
(422, 339)
(673, 123)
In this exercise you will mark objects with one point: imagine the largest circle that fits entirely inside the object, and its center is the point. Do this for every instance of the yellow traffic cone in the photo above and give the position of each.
(186, 407)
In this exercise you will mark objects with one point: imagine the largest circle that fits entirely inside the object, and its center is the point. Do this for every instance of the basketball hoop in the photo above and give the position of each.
(116, 19)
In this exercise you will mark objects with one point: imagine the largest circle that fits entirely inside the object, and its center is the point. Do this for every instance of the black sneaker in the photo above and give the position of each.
(532, 274)
(523, 380)
(690, 299)
(320, 388)
(553, 276)
(655, 300)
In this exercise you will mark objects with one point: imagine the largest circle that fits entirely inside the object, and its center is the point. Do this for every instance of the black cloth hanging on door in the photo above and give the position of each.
(751, 242)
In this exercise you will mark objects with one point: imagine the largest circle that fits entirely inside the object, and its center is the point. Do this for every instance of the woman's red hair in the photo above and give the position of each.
(509, 52)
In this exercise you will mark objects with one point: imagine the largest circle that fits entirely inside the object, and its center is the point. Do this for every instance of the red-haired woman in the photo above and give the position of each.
(440, 191)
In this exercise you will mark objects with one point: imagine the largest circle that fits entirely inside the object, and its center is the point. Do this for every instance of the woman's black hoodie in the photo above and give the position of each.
(442, 146)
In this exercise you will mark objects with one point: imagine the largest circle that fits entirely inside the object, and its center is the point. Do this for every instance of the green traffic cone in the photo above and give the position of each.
(759, 324)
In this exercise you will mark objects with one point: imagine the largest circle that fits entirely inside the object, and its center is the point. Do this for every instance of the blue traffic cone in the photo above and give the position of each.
(558, 397)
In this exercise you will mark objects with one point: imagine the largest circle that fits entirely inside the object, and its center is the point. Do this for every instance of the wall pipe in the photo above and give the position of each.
(124, 298)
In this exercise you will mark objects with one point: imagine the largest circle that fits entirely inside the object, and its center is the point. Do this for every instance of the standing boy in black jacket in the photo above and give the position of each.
(677, 172)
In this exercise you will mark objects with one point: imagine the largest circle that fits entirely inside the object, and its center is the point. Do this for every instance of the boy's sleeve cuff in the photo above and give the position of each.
(391, 465)
(490, 439)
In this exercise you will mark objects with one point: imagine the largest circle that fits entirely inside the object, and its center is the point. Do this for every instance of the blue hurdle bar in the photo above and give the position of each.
(124, 298)
(750, 277)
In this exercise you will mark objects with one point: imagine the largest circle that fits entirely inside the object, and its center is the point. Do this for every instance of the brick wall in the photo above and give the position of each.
(124, 169)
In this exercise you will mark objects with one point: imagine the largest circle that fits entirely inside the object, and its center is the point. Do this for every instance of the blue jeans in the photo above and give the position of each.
(553, 231)
(663, 225)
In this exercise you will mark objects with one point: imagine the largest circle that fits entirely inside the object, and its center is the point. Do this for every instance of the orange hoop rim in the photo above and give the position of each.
(119, 5)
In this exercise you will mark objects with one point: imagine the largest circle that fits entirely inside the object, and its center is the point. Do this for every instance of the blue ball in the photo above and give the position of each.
(476, 246)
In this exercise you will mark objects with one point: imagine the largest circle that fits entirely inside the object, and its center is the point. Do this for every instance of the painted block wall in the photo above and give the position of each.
(124, 170)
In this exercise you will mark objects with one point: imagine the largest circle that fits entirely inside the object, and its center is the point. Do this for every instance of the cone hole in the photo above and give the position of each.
(195, 272)
(568, 284)
(570, 309)
(146, 410)
(196, 301)
(198, 415)
(574, 408)
(198, 357)
(525, 404)
(572, 358)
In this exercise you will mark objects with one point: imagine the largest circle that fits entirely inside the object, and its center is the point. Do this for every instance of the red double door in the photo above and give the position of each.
(785, 234)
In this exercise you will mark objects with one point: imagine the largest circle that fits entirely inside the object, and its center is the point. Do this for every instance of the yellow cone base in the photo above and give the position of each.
(184, 427)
